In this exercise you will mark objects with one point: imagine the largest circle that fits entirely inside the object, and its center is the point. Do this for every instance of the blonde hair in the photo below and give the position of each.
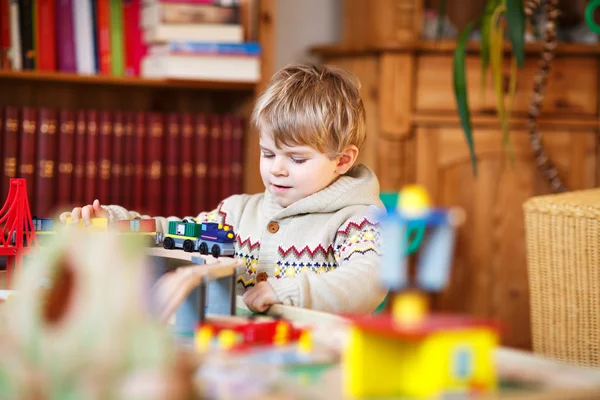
(316, 106)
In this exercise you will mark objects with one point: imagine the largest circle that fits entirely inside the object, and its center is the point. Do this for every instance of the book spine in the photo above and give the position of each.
(140, 160)
(16, 58)
(26, 31)
(128, 160)
(117, 176)
(172, 160)
(91, 159)
(187, 201)
(80, 158)
(214, 162)
(104, 163)
(65, 36)
(10, 147)
(116, 38)
(46, 35)
(154, 167)
(5, 39)
(103, 36)
(237, 155)
(179, 13)
(27, 149)
(84, 37)
(201, 188)
(135, 49)
(45, 184)
(66, 160)
(226, 155)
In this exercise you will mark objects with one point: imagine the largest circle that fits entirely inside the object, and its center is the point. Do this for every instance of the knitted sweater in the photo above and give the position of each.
(321, 252)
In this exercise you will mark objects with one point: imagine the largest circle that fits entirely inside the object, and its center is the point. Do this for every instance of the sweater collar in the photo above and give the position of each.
(358, 186)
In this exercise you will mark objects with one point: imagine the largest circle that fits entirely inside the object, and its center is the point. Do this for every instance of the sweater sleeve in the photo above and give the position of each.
(353, 287)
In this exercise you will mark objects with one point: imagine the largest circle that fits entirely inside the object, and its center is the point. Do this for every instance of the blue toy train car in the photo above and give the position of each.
(43, 227)
(207, 237)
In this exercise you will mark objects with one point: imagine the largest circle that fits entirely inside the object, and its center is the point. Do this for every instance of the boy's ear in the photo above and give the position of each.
(346, 159)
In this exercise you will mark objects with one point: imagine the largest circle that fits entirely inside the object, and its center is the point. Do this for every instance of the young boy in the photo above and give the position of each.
(310, 240)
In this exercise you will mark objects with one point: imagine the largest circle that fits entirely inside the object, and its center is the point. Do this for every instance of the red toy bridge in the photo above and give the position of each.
(15, 217)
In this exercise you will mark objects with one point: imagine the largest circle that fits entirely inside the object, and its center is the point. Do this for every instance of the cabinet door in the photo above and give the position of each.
(489, 276)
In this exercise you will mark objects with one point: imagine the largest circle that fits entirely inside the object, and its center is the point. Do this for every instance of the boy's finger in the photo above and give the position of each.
(63, 217)
(86, 213)
(98, 210)
(76, 214)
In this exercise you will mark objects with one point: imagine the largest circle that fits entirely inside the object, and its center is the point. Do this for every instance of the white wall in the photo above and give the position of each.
(301, 24)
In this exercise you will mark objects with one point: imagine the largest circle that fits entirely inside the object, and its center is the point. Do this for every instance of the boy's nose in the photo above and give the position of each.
(278, 167)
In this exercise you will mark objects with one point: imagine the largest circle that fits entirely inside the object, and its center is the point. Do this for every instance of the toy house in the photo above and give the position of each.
(409, 351)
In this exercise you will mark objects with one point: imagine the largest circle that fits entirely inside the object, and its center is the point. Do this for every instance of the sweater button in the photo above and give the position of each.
(261, 276)
(273, 227)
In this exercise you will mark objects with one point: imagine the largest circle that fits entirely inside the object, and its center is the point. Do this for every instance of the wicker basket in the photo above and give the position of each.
(563, 258)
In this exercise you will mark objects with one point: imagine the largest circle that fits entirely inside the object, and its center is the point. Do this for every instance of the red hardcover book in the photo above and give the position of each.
(65, 36)
(118, 148)
(66, 159)
(237, 155)
(154, 165)
(128, 165)
(91, 160)
(186, 204)
(103, 38)
(172, 161)
(105, 157)
(214, 163)
(27, 147)
(46, 35)
(200, 157)
(45, 177)
(10, 148)
(80, 159)
(226, 155)
(4, 36)
(139, 161)
(135, 47)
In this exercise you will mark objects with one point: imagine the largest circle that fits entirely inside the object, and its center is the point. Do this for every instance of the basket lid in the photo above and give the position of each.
(581, 203)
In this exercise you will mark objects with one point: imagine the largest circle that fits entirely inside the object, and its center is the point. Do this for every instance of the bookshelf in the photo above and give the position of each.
(58, 90)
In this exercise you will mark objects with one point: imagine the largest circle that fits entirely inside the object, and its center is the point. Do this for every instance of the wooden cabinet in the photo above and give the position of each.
(414, 135)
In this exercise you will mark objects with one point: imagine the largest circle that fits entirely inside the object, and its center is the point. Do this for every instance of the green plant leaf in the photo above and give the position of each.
(507, 141)
(490, 7)
(460, 90)
(440, 22)
(515, 16)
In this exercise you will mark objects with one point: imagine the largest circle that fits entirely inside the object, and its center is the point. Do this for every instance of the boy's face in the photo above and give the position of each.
(293, 173)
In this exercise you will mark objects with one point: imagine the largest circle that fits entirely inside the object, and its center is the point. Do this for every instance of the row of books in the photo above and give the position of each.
(198, 41)
(112, 37)
(154, 163)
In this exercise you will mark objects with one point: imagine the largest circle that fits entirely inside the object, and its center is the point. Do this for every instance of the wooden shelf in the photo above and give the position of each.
(448, 46)
(123, 81)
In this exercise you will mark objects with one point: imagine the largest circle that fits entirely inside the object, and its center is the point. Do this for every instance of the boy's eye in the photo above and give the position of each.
(268, 155)
(298, 160)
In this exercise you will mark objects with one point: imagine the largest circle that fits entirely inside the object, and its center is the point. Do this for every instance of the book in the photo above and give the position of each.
(15, 54)
(5, 39)
(116, 38)
(91, 160)
(27, 151)
(117, 175)
(182, 13)
(26, 28)
(217, 67)
(103, 36)
(65, 36)
(105, 157)
(83, 17)
(45, 176)
(222, 33)
(140, 160)
(9, 134)
(200, 157)
(226, 155)
(173, 148)
(214, 181)
(204, 48)
(135, 48)
(65, 158)
(80, 158)
(187, 202)
(154, 190)
(46, 35)
(128, 159)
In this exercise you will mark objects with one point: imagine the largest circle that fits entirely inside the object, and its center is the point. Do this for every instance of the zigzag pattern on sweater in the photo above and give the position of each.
(360, 243)
(247, 242)
(312, 252)
(345, 230)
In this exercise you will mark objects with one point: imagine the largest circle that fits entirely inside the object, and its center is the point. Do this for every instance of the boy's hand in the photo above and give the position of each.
(86, 213)
(260, 297)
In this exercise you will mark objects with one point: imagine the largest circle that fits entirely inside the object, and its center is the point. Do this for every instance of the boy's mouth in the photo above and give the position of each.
(280, 188)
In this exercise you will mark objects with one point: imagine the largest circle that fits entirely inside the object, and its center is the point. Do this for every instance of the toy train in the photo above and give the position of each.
(43, 227)
(205, 237)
